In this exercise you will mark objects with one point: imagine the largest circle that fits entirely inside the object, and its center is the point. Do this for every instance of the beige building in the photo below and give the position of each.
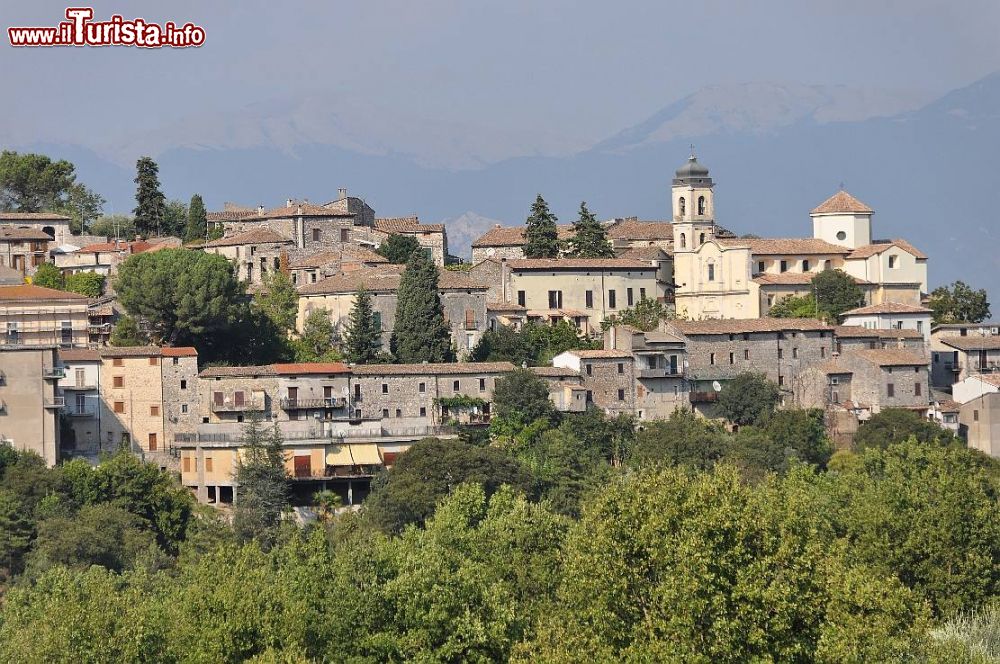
(507, 242)
(327, 263)
(660, 362)
(55, 226)
(979, 423)
(865, 382)
(32, 315)
(29, 400)
(23, 249)
(891, 315)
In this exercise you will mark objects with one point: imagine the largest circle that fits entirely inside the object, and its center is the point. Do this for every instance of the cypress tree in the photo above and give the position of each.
(150, 201)
(590, 239)
(363, 337)
(262, 493)
(197, 223)
(420, 333)
(541, 237)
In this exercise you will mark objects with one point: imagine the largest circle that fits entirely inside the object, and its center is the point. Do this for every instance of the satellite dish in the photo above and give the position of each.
(716, 386)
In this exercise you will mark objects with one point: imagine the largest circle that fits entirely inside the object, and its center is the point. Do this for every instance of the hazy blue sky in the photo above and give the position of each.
(579, 69)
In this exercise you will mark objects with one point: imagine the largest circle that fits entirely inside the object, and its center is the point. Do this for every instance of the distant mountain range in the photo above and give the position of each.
(929, 168)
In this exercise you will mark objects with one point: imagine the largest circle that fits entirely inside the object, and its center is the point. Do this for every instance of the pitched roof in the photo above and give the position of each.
(578, 264)
(234, 214)
(743, 325)
(301, 210)
(643, 254)
(15, 234)
(504, 306)
(784, 246)
(554, 372)
(879, 247)
(841, 202)
(179, 351)
(405, 225)
(890, 357)
(238, 372)
(887, 308)
(9, 276)
(349, 252)
(310, 368)
(858, 332)
(136, 247)
(79, 355)
(28, 292)
(973, 342)
(792, 279)
(253, 236)
(386, 279)
(513, 236)
(988, 378)
(32, 216)
(600, 354)
(431, 368)
(632, 229)
(131, 351)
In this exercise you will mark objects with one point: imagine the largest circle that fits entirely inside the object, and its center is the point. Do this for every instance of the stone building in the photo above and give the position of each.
(867, 381)
(956, 358)
(507, 242)
(608, 376)
(29, 399)
(853, 337)
(431, 237)
(317, 266)
(979, 423)
(80, 388)
(104, 258)
(660, 362)
(23, 249)
(566, 389)
(891, 315)
(55, 226)
(32, 315)
(254, 253)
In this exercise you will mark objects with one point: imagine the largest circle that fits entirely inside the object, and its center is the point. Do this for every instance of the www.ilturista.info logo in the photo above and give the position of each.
(79, 30)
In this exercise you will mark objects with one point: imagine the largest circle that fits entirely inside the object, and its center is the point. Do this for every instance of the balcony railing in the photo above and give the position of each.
(661, 372)
(81, 412)
(302, 404)
(53, 373)
(104, 328)
(704, 397)
(55, 402)
(222, 439)
(231, 407)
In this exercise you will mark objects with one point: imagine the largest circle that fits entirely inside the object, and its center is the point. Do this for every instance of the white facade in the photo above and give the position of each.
(891, 320)
(974, 387)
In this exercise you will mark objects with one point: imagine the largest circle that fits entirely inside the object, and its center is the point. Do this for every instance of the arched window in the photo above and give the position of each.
(701, 239)
(701, 205)
(681, 206)
(684, 242)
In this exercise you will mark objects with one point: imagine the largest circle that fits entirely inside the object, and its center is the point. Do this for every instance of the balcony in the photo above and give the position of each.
(704, 397)
(661, 372)
(230, 407)
(81, 412)
(53, 373)
(104, 328)
(55, 402)
(306, 404)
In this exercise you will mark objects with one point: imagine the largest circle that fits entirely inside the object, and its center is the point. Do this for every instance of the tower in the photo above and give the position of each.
(842, 219)
(693, 206)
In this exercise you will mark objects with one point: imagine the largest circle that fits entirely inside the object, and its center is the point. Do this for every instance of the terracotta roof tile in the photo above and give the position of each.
(784, 246)
(578, 264)
(641, 230)
(179, 351)
(32, 216)
(600, 354)
(973, 342)
(554, 372)
(504, 306)
(869, 250)
(131, 351)
(841, 202)
(79, 355)
(310, 368)
(988, 378)
(16, 234)
(28, 292)
(513, 236)
(348, 253)
(741, 325)
(231, 215)
(888, 308)
(254, 236)
(405, 225)
(643, 254)
(793, 279)
(441, 368)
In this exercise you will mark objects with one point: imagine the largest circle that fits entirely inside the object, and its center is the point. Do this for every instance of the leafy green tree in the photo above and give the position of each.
(90, 284)
(533, 344)
(263, 491)
(756, 454)
(197, 224)
(803, 432)
(48, 276)
(150, 203)
(749, 398)
(794, 306)
(567, 467)
(16, 530)
(126, 332)
(896, 425)
(182, 295)
(590, 239)
(682, 440)
(35, 183)
(175, 219)
(278, 300)
(421, 333)
(959, 303)
(836, 292)
(431, 469)
(363, 336)
(114, 226)
(541, 235)
(971, 637)
(646, 315)
(315, 344)
(398, 248)
(520, 398)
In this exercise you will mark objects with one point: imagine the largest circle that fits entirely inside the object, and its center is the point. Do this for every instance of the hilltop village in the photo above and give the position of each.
(663, 315)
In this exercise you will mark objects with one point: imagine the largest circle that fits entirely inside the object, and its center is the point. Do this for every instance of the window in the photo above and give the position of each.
(482, 384)
(119, 407)
(746, 353)
(154, 411)
(422, 387)
(316, 234)
(13, 335)
(682, 209)
(67, 332)
(683, 241)
(590, 370)
(385, 413)
(621, 367)
(642, 293)
(805, 266)
(520, 298)
(783, 266)
(621, 395)
(975, 416)
(701, 205)
(238, 398)
(628, 297)
(81, 377)
(153, 361)
(184, 384)
(590, 396)
(892, 262)
(711, 271)
(117, 362)
(175, 361)
(217, 398)
(118, 381)
(890, 390)
(186, 464)
(377, 320)
(399, 413)
(760, 266)
(841, 235)
(555, 299)
(456, 386)
(612, 303)
(795, 353)
(184, 408)
(589, 299)
(385, 388)
(208, 464)
(423, 412)
(916, 389)
(822, 351)
(357, 392)
(701, 239)
(711, 358)
(345, 235)
(152, 442)
(732, 358)
(81, 404)
(781, 380)
(920, 326)
(312, 277)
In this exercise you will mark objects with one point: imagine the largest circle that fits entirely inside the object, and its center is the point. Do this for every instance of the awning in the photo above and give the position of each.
(365, 455)
(353, 455)
(339, 455)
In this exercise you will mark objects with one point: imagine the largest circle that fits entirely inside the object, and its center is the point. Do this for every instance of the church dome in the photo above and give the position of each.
(692, 169)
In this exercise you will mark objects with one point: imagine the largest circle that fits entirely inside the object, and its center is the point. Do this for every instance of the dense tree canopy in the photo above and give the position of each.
(896, 425)
(836, 292)
(398, 248)
(150, 203)
(646, 315)
(114, 226)
(749, 398)
(420, 333)
(590, 239)
(35, 183)
(534, 344)
(48, 276)
(541, 235)
(278, 300)
(959, 303)
(795, 306)
(316, 342)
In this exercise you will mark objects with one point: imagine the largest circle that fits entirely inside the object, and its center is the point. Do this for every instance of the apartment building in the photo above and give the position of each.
(660, 368)
(608, 376)
(80, 389)
(892, 316)
(23, 249)
(33, 315)
(30, 402)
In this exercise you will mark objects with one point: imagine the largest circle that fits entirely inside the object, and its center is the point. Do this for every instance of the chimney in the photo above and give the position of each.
(288, 203)
(260, 209)
(341, 194)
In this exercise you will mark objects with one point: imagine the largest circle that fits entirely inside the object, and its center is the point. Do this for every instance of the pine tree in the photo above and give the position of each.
(150, 202)
(262, 493)
(197, 224)
(541, 237)
(363, 337)
(421, 333)
(590, 239)
(279, 300)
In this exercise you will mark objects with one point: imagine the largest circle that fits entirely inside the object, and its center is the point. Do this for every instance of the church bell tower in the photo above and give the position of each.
(693, 206)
